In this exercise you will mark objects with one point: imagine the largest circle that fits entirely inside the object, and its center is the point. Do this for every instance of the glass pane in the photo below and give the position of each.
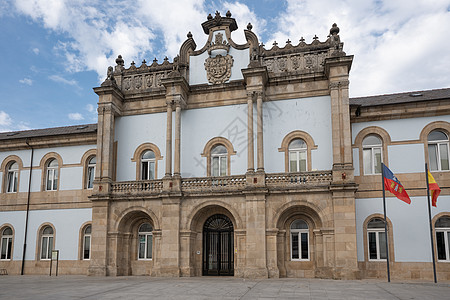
(299, 224)
(376, 223)
(91, 173)
(53, 163)
(4, 245)
(448, 245)
(8, 231)
(297, 144)
(295, 252)
(440, 243)
(50, 247)
(382, 241)
(14, 166)
(293, 162)
(148, 155)
(367, 159)
(44, 247)
(141, 246)
(87, 247)
(10, 182)
(15, 182)
(437, 135)
(146, 227)
(443, 151)
(55, 179)
(223, 166)
(304, 237)
(47, 230)
(144, 172)
(149, 246)
(49, 180)
(219, 149)
(215, 166)
(371, 140)
(302, 161)
(93, 160)
(377, 158)
(151, 173)
(88, 229)
(432, 153)
(372, 245)
(8, 253)
(443, 222)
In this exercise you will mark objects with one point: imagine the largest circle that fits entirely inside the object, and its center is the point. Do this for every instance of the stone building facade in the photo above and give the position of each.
(231, 160)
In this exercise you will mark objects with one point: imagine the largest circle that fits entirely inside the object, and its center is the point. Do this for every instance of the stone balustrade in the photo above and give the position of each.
(223, 182)
(145, 186)
(289, 179)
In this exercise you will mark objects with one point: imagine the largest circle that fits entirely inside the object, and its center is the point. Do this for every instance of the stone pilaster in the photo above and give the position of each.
(259, 125)
(176, 170)
(271, 244)
(250, 144)
(169, 140)
(99, 242)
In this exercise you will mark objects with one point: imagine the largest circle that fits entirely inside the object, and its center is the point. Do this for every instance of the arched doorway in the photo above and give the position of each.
(218, 258)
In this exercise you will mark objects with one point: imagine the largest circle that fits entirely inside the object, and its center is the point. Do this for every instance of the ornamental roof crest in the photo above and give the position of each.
(218, 65)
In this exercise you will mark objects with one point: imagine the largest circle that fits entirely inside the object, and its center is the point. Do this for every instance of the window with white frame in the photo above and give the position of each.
(219, 157)
(6, 243)
(442, 228)
(52, 175)
(438, 144)
(372, 154)
(148, 160)
(299, 240)
(87, 242)
(297, 155)
(90, 175)
(376, 238)
(145, 242)
(47, 243)
(12, 177)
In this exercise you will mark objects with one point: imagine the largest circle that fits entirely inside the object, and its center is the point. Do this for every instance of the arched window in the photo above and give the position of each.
(6, 243)
(148, 160)
(52, 175)
(376, 237)
(87, 242)
(46, 242)
(12, 177)
(145, 241)
(299, 240)
(442, 228)
(219, 157)
(90, 175)
(372, 154)
(438, 145)
(297, 155)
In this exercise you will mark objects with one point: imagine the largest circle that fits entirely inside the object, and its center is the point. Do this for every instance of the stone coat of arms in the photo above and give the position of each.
(218, 68)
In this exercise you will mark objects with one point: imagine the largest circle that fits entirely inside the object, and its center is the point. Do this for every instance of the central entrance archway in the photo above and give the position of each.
(218, 258)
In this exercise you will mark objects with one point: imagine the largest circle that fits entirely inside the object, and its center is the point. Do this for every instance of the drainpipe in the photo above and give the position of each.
(28, 208)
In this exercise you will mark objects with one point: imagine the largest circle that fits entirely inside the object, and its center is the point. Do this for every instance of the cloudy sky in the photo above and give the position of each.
(55, 51)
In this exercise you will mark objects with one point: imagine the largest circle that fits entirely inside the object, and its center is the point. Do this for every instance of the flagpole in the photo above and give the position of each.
(431, 226)
(385, 223)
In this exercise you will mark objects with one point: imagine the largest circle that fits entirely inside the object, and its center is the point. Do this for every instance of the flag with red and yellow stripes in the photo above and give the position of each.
(433, 188)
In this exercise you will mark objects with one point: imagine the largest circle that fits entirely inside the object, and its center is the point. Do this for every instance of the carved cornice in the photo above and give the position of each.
(339, 84)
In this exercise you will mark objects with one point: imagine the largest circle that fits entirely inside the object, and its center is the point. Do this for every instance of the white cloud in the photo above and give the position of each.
(27, 81)
(60, 79)
(5, 119)
(90, 108)
(35, 50)
(75, 116)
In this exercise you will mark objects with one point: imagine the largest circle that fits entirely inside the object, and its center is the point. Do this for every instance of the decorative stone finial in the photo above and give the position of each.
(288, 41)
(249, 26)
(315, 37)
(217, 15)
(275, 43)
(209, 17)
(143, 62)
(228, 14)
(302, 40)
(334, 29)
(132, 63)
(166, 59)
(119, 60)
(189, 35)
(155, 60)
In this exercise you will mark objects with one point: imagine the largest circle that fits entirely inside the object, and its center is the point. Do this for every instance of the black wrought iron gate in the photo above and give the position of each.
(218, 257)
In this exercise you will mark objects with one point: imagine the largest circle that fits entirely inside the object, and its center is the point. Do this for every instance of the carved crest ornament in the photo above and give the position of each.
(218, 68)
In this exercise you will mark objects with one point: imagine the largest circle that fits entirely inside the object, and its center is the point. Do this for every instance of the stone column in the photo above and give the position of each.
(271, 242)
(250, 144)
(176, 170)
(99, 245)
(260, 145)
(169, 140)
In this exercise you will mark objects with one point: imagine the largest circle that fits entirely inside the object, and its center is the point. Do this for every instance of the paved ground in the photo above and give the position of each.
(83, 287)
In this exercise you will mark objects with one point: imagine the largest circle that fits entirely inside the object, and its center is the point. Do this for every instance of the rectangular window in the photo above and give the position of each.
(372, 245)
(293, 162)
(302, 161)
(443, 151)
(367, 160)
(223, 165)
(377, 160)
(141, 246)
(149, 246)
(44, 247)
(91, 174)
(215, 166)
(12, 182)
(87, 247)
(151, 172)
(432, 153)
(6, 248)
(440, 242)
(295, 250)
(304, 238)
(382, 244)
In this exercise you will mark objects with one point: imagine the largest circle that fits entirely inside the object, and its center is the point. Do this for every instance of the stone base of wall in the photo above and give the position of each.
(65, 267)
(405, 271)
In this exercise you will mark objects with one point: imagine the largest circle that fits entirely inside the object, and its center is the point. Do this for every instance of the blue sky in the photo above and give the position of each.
(55, 51)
